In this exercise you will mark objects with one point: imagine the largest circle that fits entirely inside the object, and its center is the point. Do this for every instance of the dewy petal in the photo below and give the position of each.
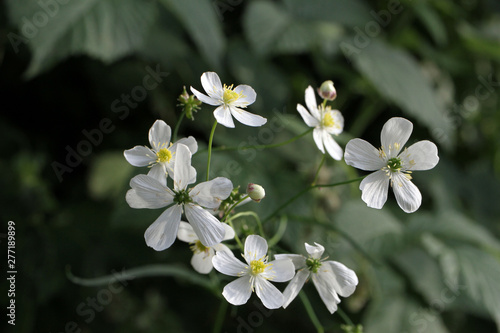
(255, 248)
(395, 130)
(247, 118)
(161, 234)
(147, 192)
(202, 261)
(206, 99)
(308, 118)
(159, 172)
(186, 233)
(345, 281)
(310, 98)
(327, 294)
(298, 260)
(140, 156)
(407, 194)
(184, 173)
(293, 288)
(318, 138)
(279, 270)
(315, 251)
(212, 85)
(248, 96)
(270, 296)
(210, 194)
(422, 155)
(362, 155)
(374, 189)
(159, 135)
(331, 146)
(226, 263)
(209, 230)
(223, 116)
(239, 291)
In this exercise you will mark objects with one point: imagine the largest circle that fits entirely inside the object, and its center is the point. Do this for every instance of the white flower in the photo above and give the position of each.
(326, 122)
(161, 156)
(229, 101)
(148, 192)
(254, 275)
(330, 278)
(202, 255)
(393, 165)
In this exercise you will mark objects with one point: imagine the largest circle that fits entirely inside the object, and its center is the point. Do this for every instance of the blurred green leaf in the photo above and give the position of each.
(432, 21)
(109, 174)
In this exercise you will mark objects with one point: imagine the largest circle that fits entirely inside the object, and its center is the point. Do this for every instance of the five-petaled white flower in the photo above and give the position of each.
(330, 278)
(161, 156)
(148, 192)
(393, 165)
(326, 122)
(229, 101)
(202, 255)
(254, 275)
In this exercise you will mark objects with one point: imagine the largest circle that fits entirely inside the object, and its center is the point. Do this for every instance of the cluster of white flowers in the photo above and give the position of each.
(170, 174)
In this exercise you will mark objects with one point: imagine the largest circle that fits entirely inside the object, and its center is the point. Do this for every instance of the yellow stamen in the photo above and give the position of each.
(163, 155)
(229, 96)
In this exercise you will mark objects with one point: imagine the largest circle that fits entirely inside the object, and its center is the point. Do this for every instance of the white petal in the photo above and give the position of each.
(229, 232)
(209, 230)
(147, 192)
(184, 173)
(212, 85)
(332, 147)
(140, 156)
(338, 122)
(298, 260)
(318, 138)
(159, 173)
(315, 251)
(375, 187)
(327, 294)
(239, 291)
(407, 194)
(345, 281)
(161, 234)
(159, 135)
(270, 296)
(223, 116)
(293, 288)
(308, 119)
(221, 247)
(186, 233)
(395, 130)
(310, 98)
(226, 263)
(248, 96)
(422, 155)
(279, 270)
(210, 194)
(190, 142)
(362, 155)
(202, 261)
(205, 99)
(255, 248)
(247, 118)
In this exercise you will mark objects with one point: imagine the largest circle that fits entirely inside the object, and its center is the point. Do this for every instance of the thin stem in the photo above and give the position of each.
(210, 140)
(236, 237)
(345, 317)
(255, 216)
(176, 129)
(319, 168)
(310, 312)
(220, 316)
(279, 233)
(228, 211)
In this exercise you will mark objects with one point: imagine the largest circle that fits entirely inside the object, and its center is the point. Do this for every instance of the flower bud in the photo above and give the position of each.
(190, 103)
(256, 192)
(327, 91)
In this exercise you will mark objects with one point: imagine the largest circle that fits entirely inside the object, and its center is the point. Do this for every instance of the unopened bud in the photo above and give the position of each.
(327, 91)
(256, 192)
(190, 103)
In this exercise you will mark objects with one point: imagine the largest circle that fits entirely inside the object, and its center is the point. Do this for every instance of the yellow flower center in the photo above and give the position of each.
(229, 95)
(328, 120)
(163, 155)
(197, 247)
(258, 266)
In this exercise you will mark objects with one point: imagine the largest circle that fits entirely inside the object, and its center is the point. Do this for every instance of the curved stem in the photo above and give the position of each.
(345, 317)
(220, 316)
(310, 312)
(255, 216)
(319, 168)
(176, 129)
(279, 233)
(236, 237)
(210, 140)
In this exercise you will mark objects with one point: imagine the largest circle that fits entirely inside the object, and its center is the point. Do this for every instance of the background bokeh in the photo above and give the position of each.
(81, 81)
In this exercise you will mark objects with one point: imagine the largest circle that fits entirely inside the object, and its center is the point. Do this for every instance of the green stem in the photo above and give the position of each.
(279, 233)
(220, 316)
(176, 129)
(255, 216)
(236, 237)
(210, 140)
(345, 317)
(310, 312)
(319, 168)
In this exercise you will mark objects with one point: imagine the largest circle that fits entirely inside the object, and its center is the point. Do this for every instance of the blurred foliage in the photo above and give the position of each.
(65, 66)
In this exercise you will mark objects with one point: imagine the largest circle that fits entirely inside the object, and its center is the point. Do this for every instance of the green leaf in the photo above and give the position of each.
(104, 29)
(200, 20)
(398, 77)
(108, 175)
